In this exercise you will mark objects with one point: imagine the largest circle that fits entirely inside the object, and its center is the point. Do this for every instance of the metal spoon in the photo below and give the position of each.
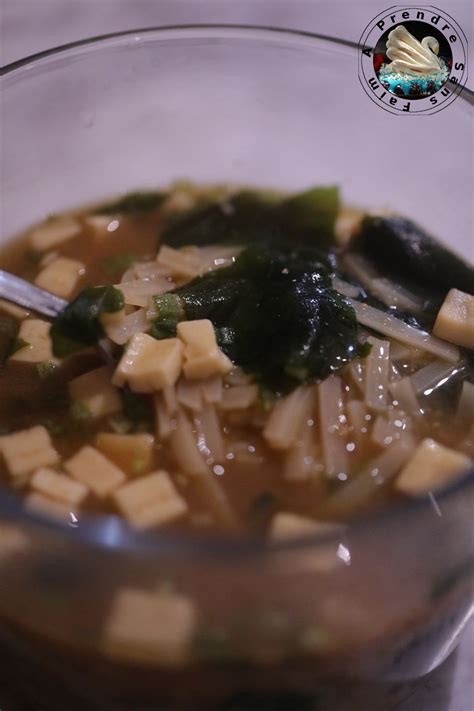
(22, 293)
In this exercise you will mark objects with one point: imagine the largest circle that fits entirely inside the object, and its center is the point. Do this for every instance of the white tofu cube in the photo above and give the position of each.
(431, 466)
(150, 626)
(13, 310)
(202, 356)
(133, 453)
(179, 263)
(289, 525)
(94, 470)
(96, 391)
(53, 232)
(35, 333)
(150, 501)
(149, 365)
(455, 320)
(61, 276)
(49, 507)
(26, 450)
(58, 486)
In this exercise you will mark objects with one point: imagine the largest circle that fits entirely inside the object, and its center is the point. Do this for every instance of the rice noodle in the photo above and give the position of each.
(189, 394)
(164, 422)
(237, 376)
(434, 375)
(376, 374)
(210, 434)
(371, 477)
(191, 461)
(302, 460)
(145, 270)
(288, 414)
(389, 292)
(219, 256)
(333, 427)
(240, 397)
(465, 408)
(357, 372)
(139, 291)
(346, 288)
(170, 400)
(357, 416)
(388, 429)
(394, 328)
(404, 396)
(121, 331)
(211, 389)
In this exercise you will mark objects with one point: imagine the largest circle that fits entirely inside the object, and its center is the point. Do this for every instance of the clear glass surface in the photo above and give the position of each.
(388, 598)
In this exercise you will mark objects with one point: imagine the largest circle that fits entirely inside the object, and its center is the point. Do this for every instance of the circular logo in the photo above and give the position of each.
(413, 60)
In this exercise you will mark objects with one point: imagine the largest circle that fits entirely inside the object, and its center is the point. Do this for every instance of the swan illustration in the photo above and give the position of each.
(410, 56)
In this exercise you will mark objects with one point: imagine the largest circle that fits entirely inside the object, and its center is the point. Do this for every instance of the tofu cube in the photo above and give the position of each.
(36, 333)
(94, 470)
(202, 356)
(455, 320)
(152, 626)
(58, 486)
(149, 365)
(96, 391)
(26, 450)
(49, 507)
(150, 501)
(61, 276)
(133, 453)
(289, 525)
(13, 310)
(54, 232)
(431, 466)
(180, 264)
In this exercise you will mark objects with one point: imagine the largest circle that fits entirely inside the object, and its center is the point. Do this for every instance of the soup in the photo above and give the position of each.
(235, 360)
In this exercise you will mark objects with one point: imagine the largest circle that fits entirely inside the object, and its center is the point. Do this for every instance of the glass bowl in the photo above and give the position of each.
(388, 597)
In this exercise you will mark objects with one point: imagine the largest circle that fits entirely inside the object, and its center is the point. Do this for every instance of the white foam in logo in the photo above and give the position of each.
(413, 60)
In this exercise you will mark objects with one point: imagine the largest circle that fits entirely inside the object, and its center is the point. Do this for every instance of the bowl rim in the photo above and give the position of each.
(111, 532)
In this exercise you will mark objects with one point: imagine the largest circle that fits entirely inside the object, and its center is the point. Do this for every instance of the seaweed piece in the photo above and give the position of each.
(306, 218)
(78, 325)
(405, 250)
(277, 316)
(132, 203)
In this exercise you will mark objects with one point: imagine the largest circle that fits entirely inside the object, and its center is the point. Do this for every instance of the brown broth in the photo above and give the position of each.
(252, 478)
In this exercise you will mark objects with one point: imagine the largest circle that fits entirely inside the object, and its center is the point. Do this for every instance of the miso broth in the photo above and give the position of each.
(277, 362)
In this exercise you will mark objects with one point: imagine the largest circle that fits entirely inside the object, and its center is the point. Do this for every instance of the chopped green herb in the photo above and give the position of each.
(79, 324)
(117, 264)
(277, 316)
(79, 411)
(138, 466)
(54, 428)
(136, 407)
(169, 312)
(18, 344)
(46, 368)
(133, 203)
(33, 256)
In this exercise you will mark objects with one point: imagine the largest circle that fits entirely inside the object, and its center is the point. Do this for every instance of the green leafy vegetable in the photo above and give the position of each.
(403, 249)
(277, 316)
(18, 344)
(133, 203)
(168, 310)
(306, 218)
(79, 324)
(46, 369)
(136, 407)
(117, 264)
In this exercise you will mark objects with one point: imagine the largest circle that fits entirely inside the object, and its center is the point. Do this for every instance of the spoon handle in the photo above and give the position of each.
(22, 293)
